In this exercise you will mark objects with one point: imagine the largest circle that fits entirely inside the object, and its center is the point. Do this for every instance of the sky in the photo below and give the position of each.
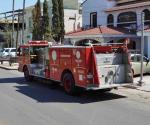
(6, 5)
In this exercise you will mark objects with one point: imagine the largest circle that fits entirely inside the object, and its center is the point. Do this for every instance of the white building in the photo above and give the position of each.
(125, 14)
(72, 18)
(72, 15)
(118, 13)
(146, 42)
(94, 12)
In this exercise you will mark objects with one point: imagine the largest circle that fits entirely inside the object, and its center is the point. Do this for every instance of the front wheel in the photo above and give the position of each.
(69, 84)
(27, 75)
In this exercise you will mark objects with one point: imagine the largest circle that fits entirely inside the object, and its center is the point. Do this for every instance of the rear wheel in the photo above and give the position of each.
(27, 75)
(69, 84)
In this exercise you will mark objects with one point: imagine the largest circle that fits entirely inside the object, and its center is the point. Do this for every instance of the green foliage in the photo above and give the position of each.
(58, 20)
(61, 14)
(36, 16)
(7, 35)
(46, 22)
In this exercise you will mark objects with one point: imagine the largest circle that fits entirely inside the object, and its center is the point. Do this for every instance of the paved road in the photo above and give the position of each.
(22, 103)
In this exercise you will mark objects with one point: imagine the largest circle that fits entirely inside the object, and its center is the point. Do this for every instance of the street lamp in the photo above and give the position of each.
(142, 47)
(12, 38)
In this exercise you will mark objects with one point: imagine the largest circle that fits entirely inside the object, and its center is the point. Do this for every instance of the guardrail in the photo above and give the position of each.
(9, 59)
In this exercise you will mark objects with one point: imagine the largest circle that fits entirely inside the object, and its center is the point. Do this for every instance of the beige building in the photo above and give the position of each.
(72, 18)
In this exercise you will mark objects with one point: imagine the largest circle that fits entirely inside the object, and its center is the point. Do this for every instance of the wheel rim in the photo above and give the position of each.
(67, 84)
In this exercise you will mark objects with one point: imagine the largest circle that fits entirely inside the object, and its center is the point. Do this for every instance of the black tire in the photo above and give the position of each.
(27, 75)
(69, 84)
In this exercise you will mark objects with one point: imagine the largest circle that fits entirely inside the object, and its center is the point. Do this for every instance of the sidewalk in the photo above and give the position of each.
(146, 85)
(6, 66)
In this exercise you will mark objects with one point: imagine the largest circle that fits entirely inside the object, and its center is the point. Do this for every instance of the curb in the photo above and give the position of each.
(135, 87)
(8, 68)
(143, 90)
(131, 86)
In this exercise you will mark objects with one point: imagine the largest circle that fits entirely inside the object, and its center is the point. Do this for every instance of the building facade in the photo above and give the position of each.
(118, 13)
(72, 18)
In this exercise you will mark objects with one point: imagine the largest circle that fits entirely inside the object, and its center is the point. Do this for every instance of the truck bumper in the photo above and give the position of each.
(93, 87)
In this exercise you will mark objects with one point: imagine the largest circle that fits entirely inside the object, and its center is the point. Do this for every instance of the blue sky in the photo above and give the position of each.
(6, 5)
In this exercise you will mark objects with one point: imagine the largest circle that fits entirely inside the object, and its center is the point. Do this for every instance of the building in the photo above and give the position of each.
(117, 13)
(72, 17)
(124, 14)
(6, 26)
(102, 34)
(72, 14)
(146, 41)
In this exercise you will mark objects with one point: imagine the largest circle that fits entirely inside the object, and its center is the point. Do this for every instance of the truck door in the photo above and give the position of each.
(23, 57)
(37, 56)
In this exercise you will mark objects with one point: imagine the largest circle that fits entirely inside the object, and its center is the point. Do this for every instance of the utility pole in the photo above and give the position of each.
(12, 38)
(142, 47)
(18, 26)
(23, 22)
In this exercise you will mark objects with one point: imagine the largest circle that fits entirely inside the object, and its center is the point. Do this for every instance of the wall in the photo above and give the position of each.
(72, 19)
(68, 13)
(98, 6)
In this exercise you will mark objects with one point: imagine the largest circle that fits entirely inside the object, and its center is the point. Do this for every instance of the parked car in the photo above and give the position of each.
(12, 52)
(9, 52)
(136, 64)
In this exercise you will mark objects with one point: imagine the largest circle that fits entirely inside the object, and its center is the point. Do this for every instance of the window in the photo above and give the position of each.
(80, 11)
(7, 50)
(30, 22)
(93, 19)
(128, 20)
(127, 17)
(147, 17)
(13, 50)
(110, 20)
(147, 14)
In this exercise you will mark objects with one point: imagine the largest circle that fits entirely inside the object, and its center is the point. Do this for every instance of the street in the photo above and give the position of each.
(23, 103)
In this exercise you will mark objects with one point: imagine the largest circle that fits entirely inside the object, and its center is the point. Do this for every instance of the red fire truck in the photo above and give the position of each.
(90, 67)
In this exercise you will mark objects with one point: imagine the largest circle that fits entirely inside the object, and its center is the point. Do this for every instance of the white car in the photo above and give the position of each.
(9, 52)
(136, 64)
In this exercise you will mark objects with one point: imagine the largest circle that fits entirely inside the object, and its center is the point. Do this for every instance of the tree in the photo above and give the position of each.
(58, 20)
(46, 24)
(7, 35)
(61, 18)
(36, 16)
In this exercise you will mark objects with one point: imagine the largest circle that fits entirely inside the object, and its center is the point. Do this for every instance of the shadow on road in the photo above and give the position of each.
(19, 80)
(44, 93)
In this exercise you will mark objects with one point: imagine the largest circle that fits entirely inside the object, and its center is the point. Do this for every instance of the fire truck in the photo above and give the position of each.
(90, 67)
